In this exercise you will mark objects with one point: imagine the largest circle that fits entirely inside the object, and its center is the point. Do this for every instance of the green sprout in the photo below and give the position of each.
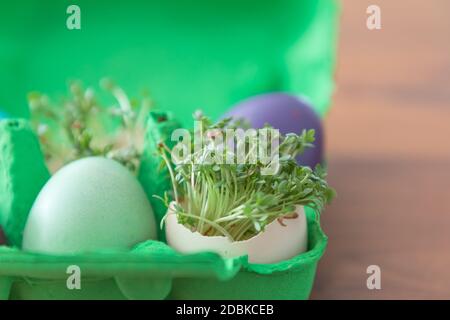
(238, 200)
(79, 126)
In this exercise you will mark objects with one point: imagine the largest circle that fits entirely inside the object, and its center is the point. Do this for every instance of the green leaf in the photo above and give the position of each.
(237, 200)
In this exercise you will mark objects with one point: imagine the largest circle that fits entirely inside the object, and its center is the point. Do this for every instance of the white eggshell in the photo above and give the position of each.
(90, 204)
(275, 244)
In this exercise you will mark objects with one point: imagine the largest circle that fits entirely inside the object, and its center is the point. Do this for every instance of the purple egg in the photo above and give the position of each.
(286, 113)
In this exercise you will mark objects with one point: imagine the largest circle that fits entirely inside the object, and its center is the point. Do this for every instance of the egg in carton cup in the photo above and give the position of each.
(149, 269)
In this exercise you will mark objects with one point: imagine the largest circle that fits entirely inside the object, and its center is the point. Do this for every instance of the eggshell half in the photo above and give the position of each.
(90, 204)
(275, 244)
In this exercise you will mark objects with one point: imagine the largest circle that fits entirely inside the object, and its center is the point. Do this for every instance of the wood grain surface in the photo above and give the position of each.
(388, 146)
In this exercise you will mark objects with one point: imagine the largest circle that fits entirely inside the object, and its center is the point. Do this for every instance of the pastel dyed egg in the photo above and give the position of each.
(287, 113)
(89, 205)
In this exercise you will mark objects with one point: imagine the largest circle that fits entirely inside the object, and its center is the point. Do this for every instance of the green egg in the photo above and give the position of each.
(91, 204)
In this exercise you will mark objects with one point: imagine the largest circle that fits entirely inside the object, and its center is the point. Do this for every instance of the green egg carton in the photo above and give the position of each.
(151, 270)
(145, 272)
(303, 37)
(189, 54)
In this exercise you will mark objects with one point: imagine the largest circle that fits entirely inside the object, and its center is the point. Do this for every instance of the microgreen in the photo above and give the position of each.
(237, 200)
(79, 126)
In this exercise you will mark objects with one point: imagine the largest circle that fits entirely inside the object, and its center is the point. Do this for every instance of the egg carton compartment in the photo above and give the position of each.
(152, 270)
(290, 279)
(146, 272)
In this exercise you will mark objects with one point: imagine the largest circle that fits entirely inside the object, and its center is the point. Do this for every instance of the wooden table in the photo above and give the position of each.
(388, 145)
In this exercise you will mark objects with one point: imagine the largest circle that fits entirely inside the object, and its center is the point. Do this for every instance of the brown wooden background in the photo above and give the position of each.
(388, 145)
